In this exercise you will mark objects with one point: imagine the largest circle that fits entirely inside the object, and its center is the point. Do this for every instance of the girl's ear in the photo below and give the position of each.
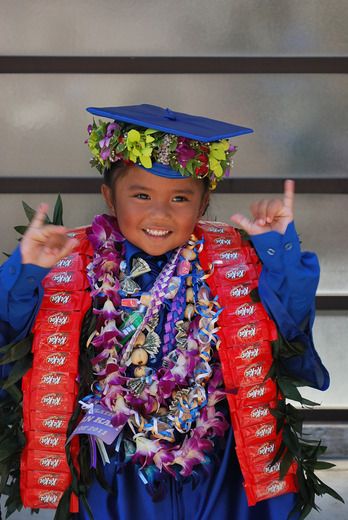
(107, 196)
(204, 204)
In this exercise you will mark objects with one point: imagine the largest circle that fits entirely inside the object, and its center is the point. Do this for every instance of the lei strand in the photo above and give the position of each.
(167, 418)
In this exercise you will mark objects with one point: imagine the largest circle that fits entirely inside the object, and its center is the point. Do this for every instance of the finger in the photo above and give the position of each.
(273, 210)
(289, 194)
(40, 216)
(242, 222)
(259, 211)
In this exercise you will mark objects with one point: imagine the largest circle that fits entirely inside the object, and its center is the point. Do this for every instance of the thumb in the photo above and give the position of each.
(242, 222)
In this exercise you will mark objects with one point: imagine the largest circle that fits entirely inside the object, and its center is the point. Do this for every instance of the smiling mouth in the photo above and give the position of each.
(157, 233)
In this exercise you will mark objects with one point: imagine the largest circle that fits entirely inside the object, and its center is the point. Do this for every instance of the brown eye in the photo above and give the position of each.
(141, 196)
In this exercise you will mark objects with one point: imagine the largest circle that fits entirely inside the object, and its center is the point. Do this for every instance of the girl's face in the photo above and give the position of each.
(154, 213)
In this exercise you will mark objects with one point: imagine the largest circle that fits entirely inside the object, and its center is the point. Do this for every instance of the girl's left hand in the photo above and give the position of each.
(269, 215)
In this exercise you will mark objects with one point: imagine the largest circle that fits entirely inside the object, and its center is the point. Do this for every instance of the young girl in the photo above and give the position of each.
(180, 374)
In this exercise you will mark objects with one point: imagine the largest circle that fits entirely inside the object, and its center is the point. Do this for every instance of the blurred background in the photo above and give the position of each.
(278, 66)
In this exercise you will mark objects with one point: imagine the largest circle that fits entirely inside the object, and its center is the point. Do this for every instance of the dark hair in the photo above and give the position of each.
(119, 168)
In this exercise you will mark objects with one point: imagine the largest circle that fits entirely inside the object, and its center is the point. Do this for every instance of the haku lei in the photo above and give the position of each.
(166, 418)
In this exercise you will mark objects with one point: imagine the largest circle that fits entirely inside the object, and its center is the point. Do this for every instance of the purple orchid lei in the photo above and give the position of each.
(167, 418)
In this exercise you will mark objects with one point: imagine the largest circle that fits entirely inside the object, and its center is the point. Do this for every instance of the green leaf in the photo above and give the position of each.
(18, 370)
(21, 229)
(58, 212)
(15, 393)
(17, 351)
(321, 464)
(30, 212)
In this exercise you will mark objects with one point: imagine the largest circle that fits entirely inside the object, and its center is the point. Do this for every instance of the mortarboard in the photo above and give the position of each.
(167, 143)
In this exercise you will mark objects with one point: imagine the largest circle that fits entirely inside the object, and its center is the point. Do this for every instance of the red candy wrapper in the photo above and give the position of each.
(265, 490)
(56, 341)
(52, 381)
(73, 262)
(252, 414)
(44, 400)
(65, 281)
(232, 256)
(234, 275)
(45, 461)
(244, 375)
(39, 499)
(253, 395)
(242, 312)
(58, 321)
(250, 333)
(66, 301)
(256, 433)
(54, 442)
(48, 422)
(238, 293)
(47, 480)
(57, 361)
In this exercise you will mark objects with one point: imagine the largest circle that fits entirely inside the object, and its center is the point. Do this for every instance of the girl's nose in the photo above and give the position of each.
(160, 209)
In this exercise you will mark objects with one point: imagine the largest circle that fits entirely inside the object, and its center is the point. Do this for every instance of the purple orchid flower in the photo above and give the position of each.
(111, 129)
(184, 152)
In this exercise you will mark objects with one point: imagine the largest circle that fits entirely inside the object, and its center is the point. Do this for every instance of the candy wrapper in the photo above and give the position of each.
(47, 480)
(39, 499)
(57, 361)
(73, 262)
(242, 312)
(58, 321)
(256, 433)
(44, 400)
(66, 301)
(238, 334)
(42, 460)
(48, 422)
(265, 490)
(236, 294)
(65, 281)
(54, 442)
(56, 341)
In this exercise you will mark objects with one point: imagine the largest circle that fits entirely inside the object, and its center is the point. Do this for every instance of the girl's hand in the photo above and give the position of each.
(269, 215)
(44, 245)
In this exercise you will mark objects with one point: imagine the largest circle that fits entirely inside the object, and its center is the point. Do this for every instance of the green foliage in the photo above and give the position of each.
(294, 447)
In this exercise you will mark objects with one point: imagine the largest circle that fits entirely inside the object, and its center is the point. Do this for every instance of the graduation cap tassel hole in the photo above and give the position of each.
(169, 114)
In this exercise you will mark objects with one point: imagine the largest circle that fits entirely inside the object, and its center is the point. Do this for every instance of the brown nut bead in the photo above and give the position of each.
(140, 339)
(190, 295)
(189, 282)
(189, 311)
(139, 357)
(140, 371)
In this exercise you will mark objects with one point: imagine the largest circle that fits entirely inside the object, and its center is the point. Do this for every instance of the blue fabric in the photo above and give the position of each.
(20, 297)
(287, 288)
(193, 127)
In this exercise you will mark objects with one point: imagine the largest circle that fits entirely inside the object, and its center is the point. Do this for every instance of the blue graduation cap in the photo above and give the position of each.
(192, 133)
(200, 128)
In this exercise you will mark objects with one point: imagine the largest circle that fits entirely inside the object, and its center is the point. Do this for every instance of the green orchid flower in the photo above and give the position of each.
(139, 146)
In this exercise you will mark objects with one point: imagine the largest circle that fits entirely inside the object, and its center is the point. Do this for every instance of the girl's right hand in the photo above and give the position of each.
(44, 245)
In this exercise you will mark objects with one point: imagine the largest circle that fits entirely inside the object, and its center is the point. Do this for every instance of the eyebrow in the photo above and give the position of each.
(147, 188)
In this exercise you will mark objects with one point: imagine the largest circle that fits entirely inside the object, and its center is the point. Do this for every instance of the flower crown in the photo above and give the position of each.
(110, 142)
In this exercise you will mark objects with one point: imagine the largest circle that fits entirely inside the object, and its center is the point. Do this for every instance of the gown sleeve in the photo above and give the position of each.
(20, 298)
(287, 288)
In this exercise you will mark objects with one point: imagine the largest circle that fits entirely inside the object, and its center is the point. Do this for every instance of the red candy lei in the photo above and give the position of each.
(167, 417)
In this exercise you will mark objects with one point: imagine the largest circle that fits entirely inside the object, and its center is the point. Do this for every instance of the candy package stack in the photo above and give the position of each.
(245, 350)
(50, 387)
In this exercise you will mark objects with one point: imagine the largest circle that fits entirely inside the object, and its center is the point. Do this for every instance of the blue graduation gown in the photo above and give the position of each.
(287, 288)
